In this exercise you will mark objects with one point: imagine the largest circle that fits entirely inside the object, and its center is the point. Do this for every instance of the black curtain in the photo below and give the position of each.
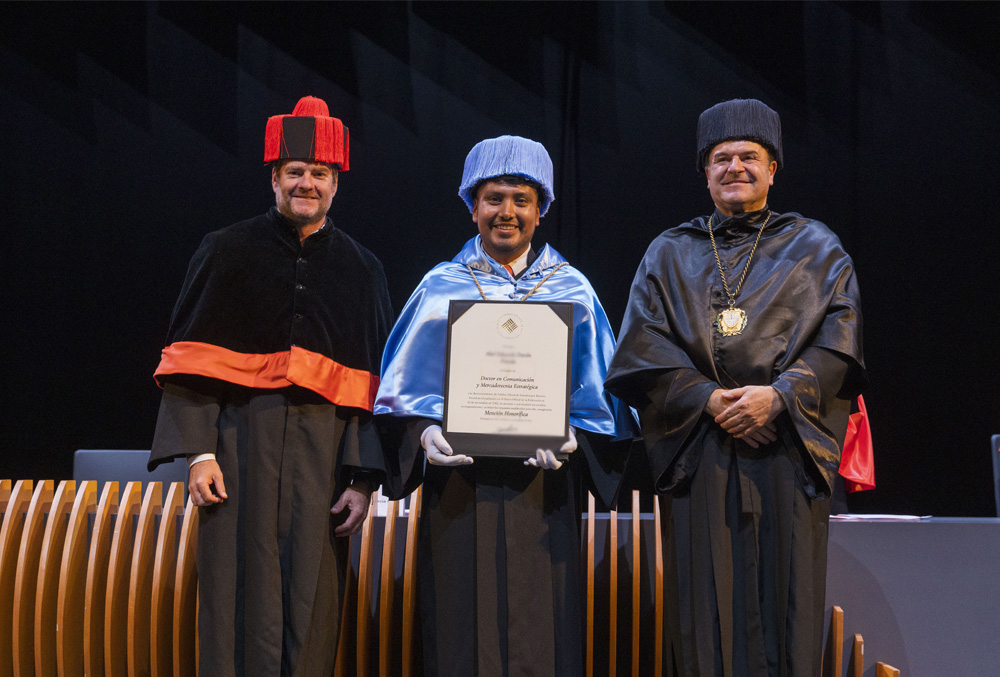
(130, 130)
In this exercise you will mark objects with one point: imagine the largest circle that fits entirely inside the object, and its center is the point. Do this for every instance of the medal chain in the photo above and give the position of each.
(718, 261)
(525, 298)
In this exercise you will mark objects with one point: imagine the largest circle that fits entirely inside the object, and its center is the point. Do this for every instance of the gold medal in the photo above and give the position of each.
(731, 322)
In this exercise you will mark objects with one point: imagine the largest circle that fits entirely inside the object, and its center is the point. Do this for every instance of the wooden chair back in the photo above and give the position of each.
(613, 594)
(47, 585)
(73, 582)
(161, 603)
(591, 576)
(410, 585)
(4, 495)
(185, 603)
(387, 591)
(636, 580)
(658, 590)
(856, 665)
(833, 656)
(15, 511)
(119, 572)
(26, 578)
(95, 593)
(140, 581)
(365, 609)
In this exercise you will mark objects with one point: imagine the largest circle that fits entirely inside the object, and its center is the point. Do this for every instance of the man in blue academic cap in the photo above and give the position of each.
(500, 580)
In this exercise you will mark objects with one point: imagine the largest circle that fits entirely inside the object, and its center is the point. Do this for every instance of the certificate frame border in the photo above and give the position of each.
(491, 445)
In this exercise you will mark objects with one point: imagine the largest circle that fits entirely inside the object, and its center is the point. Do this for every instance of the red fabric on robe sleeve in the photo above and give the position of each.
(857, 463)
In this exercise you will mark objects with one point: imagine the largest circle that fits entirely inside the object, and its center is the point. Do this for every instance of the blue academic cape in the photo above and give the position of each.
(413, 364)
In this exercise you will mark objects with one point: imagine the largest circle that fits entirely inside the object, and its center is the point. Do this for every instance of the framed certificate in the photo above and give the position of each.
(507, 377)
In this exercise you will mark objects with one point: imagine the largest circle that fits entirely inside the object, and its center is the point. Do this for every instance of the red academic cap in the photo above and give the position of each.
(309, 133)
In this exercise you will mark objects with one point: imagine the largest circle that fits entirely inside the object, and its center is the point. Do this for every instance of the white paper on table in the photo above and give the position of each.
(877, 517)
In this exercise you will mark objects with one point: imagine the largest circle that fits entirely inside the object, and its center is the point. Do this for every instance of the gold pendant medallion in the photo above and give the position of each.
(731, 322)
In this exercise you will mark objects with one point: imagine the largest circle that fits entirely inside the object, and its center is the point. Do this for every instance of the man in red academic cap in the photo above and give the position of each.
(269, 375)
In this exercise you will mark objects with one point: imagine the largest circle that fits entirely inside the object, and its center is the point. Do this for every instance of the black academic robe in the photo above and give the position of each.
(745, 530)
(271, 364)
(500, 587)
(499, 557)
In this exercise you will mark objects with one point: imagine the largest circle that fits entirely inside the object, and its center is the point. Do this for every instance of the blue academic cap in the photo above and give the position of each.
(508, 155)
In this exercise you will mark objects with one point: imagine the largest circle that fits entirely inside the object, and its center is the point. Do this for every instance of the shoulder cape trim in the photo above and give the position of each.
(341, 385)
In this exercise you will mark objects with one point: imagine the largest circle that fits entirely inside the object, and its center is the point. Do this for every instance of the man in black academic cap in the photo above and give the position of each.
(269, 376)
(741, 348)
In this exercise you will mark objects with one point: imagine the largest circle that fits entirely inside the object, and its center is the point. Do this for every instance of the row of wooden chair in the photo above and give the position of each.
(109, 587)
(361, 610)
(594, 654)
(96, 586)
(833, 656)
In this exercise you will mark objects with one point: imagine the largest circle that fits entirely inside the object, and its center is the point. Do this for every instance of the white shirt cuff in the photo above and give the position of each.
(198, 458)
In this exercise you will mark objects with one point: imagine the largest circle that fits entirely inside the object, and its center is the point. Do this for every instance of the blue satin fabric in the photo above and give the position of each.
(414, 359)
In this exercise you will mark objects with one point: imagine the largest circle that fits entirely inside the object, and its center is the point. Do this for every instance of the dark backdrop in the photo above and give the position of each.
(130, 130)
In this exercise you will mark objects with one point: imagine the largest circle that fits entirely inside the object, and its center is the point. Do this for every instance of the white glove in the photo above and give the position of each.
(547, 460)
(438, 450)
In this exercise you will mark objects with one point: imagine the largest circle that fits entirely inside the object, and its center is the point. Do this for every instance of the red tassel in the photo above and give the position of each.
(347, 149)
(310, 106)
(330, 142)
(272, 138)
(323, 141)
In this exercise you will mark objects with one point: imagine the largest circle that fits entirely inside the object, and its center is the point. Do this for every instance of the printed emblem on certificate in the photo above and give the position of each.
(506, 384)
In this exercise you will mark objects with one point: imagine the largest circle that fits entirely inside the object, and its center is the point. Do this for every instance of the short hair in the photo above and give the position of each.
(771, 157)
(276, 165)
(511, 180)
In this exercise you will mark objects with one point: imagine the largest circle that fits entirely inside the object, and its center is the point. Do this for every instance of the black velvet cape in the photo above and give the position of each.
(260, 310)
